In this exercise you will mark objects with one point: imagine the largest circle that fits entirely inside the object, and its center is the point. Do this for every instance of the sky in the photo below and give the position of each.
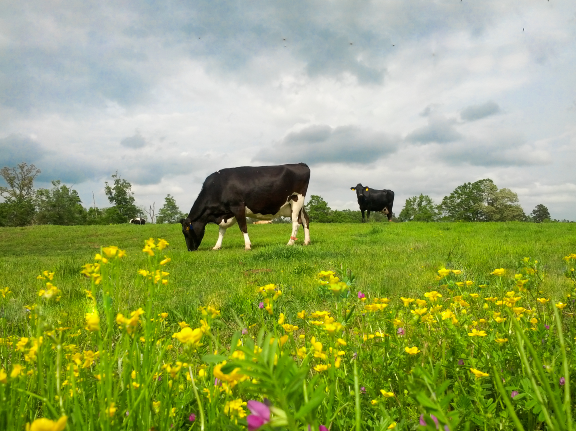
(416, 96)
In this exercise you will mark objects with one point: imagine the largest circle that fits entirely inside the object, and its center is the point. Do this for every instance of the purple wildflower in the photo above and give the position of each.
(460, 362)
(261, 305)
(260, 415)
(432, 416)
(401, 331)
(360, 295)
(244, 331)
(192, 417)
(217, 382)
(514, 394)
(547, 327)
(363, 389)
(562, 381)
(322, 428)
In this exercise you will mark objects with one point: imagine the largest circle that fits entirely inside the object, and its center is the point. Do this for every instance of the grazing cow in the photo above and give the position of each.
(138, 221)
(230, 195)
(374, 200)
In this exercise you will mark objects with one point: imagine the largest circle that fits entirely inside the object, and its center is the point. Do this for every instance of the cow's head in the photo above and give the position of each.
(361, 191)
(193, 233)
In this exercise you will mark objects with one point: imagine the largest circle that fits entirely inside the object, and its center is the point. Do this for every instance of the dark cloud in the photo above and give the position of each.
(477, 112)
(136, 141)
(16, 148)
(439, 130)
(323, 144)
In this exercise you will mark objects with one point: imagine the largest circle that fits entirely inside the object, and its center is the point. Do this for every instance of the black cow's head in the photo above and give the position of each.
(193, 233)
(361, 191)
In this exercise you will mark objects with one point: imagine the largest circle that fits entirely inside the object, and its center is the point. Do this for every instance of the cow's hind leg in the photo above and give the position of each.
(297, 205)
(240, 215)
(305, 221)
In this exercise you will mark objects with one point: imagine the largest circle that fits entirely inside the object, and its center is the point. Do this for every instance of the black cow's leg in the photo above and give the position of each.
(362, 215)
(389, 213)
(297, 204)
(239, 212)
(305, 221)
(368, 216)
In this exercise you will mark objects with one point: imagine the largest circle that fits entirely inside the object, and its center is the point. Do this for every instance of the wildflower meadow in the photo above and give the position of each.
(377, 327)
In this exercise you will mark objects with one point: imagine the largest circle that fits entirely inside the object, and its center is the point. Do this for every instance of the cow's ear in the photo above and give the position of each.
(352, 188)
(366, 189)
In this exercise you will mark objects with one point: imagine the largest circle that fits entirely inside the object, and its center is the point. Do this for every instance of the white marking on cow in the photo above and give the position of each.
(224, 225)
(296, 209)
(247, 244)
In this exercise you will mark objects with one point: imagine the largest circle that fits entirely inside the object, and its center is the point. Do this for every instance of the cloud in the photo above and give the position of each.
(320, 144)
(136, 141)
(18, 148)
(439, 130)
(477, 112)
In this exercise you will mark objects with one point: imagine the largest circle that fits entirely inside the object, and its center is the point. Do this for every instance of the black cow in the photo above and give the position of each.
(230, 195)
(138, 221)
(374, 200)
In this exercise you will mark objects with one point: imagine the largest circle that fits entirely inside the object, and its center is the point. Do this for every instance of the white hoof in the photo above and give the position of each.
(248, 248)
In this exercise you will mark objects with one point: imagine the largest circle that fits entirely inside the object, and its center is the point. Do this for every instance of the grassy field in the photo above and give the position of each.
(388, 260)
(381, 261)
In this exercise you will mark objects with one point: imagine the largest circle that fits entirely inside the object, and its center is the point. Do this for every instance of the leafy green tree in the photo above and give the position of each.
(318, 209)
(59, 206)
(18, 208)
(503, 206)
(419, 209)
(96, 216)
(122, 198)
(468, 201)
(169, 213)
(540, 214)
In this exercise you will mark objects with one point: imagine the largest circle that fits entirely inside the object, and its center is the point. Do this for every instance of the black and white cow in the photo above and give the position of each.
(374, 200)
(232, 194)
(138, 221)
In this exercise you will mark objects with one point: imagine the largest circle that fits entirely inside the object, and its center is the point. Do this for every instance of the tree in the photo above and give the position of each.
(503, 206)
(419, 209)
(540, 214)
(122, 198)
(318, 209)
(468, 201)
(59, 206)
(169, 213)
(18, 207)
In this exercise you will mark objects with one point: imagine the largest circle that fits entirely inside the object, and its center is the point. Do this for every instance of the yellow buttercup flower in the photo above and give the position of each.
(321, 367)
(387, 394)
(392, 426)
(478, 374)
(406, 301)
(301, 315)
(44, 424)
(188, 336)
(444, 272)
(499, 272)
(412, 351)
(92, 321)
(560, 305)
(542, 300)
(419, 312)
(281, 319)
(501, 340)
(3, 376)
(475, 332)
(433, 295)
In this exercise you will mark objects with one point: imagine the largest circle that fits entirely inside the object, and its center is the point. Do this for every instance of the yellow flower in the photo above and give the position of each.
(281, 319)
(3, 376)
(373, 402)
(396, 322)
(147, 249)
(406, 301)
(165, 261)
(92, 321)
(412, 351)
(188, 336)
(433, 295)
(162, 244)
(478, 374)
(156, 406)
(289, 328)
(321, 367)
(392, 426)
(232, 378)
(44, 424)
(501, 341)
(421, 303)
(560, 305)
(457, 272)
(419, 312)
(234, 410)
(387, 394)
(301, 315)
(474, 295)
(542, 300)
(499, 319)
(443, 272)
(477, 333)
(111, 410)
(16, 371)
(5, 291)
(498, 272)
(341, 342)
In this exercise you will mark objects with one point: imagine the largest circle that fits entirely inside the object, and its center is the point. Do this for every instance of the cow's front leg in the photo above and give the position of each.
(297, 205)
(240, 215)
(368, 216)
(223, 226)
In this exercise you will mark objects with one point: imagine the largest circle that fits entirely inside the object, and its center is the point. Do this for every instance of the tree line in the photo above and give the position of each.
(61, 205)
(480, 201)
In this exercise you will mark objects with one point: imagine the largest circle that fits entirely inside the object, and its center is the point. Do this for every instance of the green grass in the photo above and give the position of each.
(388, 260)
